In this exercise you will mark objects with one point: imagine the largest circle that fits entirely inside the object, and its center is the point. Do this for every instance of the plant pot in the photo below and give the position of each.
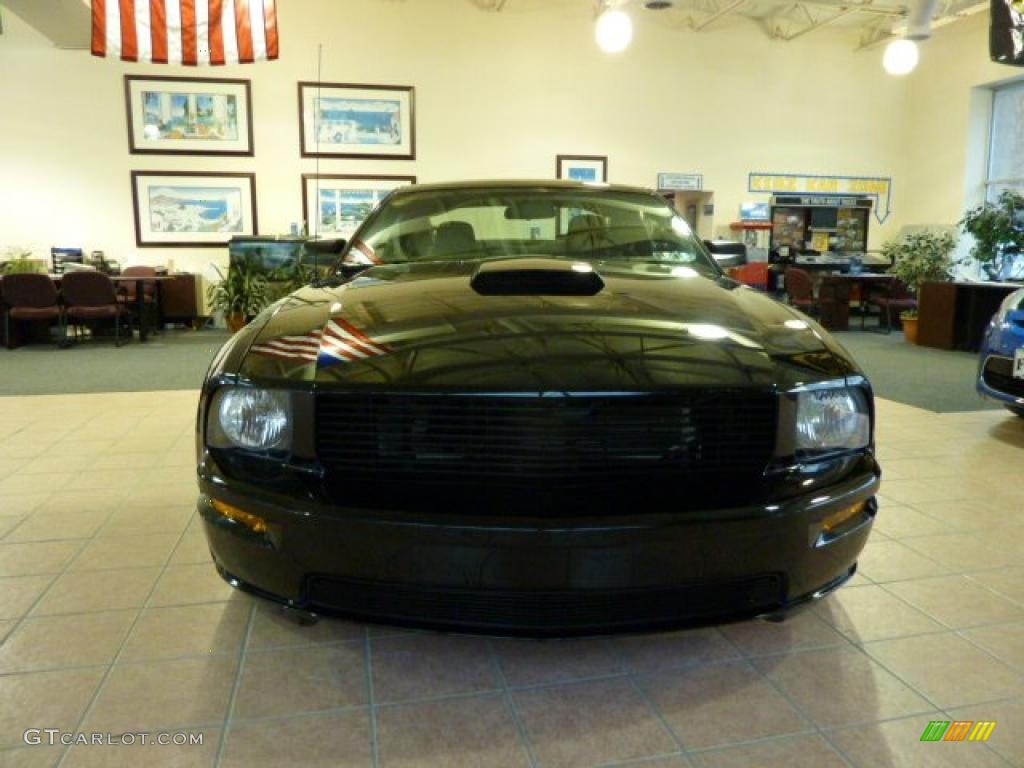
(235, 322)
(909, 329)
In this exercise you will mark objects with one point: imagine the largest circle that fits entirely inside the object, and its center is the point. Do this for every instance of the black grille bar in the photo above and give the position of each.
(532, 441)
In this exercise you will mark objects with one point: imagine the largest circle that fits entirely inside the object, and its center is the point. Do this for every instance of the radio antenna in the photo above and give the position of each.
(316, 127)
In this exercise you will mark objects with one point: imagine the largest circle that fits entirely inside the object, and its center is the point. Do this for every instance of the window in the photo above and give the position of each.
(1006, 146)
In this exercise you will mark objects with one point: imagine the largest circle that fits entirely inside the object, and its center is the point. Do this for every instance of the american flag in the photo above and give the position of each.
(191, 32)
(338, 342)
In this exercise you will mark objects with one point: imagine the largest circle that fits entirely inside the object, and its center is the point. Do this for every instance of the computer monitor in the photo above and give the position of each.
(60, 256)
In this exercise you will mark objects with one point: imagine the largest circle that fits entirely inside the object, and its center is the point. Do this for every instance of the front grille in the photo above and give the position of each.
(998, 374)
(546, 611)
(539, 444)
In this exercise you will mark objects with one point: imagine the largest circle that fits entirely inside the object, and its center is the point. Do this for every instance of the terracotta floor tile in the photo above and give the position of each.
(125, 552)
(717, 704)
(884, 561)
(35, 558)
(801, 631)
(44, 700)
(56, 642)
(164, 695)
(476, 731)
(188, 630)
(335, 740)
(19, 593)
(585, 724)
(88, 591)
(839, 686)
(429, 665)
(791, 752)
(530, 662)
(289, 681)
(271, 629)
(648, 653)
(957, 601)
(948, 669)
(198, 583)
(871, 613)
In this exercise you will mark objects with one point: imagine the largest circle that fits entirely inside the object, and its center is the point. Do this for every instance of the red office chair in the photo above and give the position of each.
(29, 298)
(90, 296)
(800, 290)
(897, 298)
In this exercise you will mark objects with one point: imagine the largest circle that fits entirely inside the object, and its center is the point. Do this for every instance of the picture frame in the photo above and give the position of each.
(192, 209)
(188, 116)
(587, 168)
(355, 121)
(334, 205)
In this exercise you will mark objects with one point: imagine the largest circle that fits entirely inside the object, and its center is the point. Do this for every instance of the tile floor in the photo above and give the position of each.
(112, 619)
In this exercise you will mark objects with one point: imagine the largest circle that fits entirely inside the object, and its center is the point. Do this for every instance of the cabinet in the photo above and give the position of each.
(183, 300)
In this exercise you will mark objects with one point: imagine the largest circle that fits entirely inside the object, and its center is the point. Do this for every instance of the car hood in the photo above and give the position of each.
(427, 326)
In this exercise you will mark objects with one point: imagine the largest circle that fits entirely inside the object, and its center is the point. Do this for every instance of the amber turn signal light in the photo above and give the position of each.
(837, 519)
(249, 520)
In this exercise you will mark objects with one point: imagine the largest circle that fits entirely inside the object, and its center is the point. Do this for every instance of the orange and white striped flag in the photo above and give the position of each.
(190, 32)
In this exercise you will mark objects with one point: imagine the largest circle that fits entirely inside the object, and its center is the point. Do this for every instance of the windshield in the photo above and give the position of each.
(599, 225)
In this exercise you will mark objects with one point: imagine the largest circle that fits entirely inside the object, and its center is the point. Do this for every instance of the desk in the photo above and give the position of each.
(954, 315)
(834, 296)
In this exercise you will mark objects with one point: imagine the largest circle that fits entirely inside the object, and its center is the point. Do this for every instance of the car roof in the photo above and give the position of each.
(518, 184)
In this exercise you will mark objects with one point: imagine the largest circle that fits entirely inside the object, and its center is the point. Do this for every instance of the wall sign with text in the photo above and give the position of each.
(877, 187)
(680, 182)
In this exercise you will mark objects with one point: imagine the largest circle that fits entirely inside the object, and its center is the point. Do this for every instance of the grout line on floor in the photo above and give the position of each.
(524, 738)
(236, 685)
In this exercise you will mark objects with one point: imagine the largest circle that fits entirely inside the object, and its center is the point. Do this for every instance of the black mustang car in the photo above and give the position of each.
(538, 408)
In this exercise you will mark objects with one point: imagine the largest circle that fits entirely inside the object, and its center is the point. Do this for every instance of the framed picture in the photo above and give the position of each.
(182, 209)
(188, 116)
(335, 206)
(357, 121)
(582, 168)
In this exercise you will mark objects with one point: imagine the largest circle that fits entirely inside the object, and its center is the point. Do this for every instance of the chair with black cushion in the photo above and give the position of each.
(29, 298)
(898, 298)
(800, 290)
(455, 238)
(90, 297)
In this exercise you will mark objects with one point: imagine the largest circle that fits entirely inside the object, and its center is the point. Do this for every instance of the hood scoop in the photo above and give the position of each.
(536, 277)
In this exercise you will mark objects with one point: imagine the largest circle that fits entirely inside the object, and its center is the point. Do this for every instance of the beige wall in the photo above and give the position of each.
(497, 95)
(946, 125)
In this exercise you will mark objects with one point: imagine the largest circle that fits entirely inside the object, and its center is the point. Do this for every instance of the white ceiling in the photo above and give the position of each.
(67, 24)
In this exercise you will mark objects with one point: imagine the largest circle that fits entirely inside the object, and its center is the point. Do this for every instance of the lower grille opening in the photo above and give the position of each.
(540, 611)
(998, 374)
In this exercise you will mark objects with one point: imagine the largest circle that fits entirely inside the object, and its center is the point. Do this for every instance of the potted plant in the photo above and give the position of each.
(241, 295)
(998, 232)
(918, 257)
(17, 261)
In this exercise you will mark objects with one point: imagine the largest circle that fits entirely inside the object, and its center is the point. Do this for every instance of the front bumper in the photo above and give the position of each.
(996, 381)
(541, 576)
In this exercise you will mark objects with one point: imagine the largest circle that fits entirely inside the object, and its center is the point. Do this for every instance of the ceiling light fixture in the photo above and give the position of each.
(614, 31)
(901, 57)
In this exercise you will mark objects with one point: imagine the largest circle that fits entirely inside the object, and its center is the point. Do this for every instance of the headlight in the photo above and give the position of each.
(254, 419)
(833, 419)
(1012, 302)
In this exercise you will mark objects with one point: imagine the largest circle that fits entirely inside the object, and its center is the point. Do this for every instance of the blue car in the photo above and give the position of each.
(1001, 366)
